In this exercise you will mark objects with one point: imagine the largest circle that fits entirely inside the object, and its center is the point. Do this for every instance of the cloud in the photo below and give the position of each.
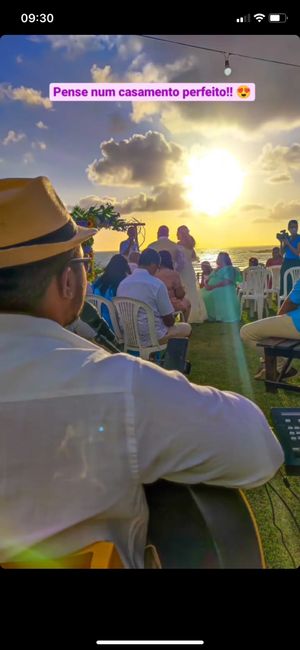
(13, 137)
(280, 178)
(41, 125)
(138, 160)
(39, 145)
(76, 45)
(151, 73)
(167, 196)
(129, 47)
(19, 59)
(276, 162)
(278, 158)
(102, 75)
(28, 158)
(94, 200)
(275, 109)
(248, 207)
(285, 211)
(26, 95)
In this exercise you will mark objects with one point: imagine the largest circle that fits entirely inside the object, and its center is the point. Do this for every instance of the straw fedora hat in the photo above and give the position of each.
(34, 223)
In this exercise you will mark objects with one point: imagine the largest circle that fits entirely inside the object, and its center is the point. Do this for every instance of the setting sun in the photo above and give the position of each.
(214, 181)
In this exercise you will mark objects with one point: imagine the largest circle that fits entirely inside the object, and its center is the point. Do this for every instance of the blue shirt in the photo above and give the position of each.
(128, 246)
(294, 296)
(288, 255)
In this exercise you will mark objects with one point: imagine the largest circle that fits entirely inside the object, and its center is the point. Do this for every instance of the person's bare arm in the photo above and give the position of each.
(296, 251)
(224, 283)
(178, 288)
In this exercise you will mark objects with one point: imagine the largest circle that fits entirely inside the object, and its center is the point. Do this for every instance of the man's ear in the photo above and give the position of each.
(67, 283)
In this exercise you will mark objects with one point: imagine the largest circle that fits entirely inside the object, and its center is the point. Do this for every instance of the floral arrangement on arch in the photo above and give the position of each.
(103, 216)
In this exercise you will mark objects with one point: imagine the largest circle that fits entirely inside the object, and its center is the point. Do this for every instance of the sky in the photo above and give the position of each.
(229, 171)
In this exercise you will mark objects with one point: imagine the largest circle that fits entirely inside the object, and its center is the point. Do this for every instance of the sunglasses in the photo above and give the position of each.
(86, 261)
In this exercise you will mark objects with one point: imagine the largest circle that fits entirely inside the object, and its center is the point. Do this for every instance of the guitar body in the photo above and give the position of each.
(202, 527)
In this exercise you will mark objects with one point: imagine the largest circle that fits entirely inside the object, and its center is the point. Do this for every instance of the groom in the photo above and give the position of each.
(163, 243)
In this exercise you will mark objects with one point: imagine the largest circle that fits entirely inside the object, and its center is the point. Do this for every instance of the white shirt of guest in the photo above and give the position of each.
(82, 430)
(140, 285)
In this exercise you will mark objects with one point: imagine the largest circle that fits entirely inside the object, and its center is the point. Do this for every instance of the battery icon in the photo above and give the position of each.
(277, 18)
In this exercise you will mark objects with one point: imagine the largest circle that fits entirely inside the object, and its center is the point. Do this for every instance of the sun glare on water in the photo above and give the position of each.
(214, 181)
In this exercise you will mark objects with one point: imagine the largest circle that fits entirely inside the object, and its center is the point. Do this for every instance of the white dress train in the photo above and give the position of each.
(189, 280)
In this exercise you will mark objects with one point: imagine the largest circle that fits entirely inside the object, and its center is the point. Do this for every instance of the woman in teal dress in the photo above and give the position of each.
(219, 294)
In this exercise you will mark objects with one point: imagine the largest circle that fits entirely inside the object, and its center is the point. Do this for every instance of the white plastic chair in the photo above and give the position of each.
(294, 272)
(128, 310)
(273, 282)
(254, 289)
(99, 301)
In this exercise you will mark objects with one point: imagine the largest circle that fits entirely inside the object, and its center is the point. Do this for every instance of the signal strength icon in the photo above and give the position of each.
(259, 17)
(243, 19)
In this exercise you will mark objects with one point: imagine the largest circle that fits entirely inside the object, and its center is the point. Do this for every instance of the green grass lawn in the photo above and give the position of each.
(219, 359)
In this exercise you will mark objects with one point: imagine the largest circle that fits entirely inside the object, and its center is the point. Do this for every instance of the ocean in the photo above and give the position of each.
(240, 256)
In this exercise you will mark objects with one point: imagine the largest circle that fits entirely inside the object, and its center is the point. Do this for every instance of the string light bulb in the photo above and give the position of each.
(227, 68)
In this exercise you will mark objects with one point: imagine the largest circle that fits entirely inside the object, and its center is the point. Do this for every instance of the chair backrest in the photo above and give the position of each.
(255, 281)
(275, 270)
(99, 302)
(294, 272)
(129, 310)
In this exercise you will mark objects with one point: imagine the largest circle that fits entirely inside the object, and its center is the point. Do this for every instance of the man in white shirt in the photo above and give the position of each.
(83, 430)
(163, 243)
(142, 285)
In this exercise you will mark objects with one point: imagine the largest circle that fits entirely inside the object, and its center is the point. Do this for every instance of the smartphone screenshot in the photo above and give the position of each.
(150, 321)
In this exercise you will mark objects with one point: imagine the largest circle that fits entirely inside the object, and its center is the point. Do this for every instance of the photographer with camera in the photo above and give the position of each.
(290, 249)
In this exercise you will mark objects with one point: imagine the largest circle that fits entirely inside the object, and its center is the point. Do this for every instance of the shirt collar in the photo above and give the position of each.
(141, 271)
(24, 325)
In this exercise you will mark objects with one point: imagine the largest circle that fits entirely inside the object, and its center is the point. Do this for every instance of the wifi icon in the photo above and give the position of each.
(259, 17)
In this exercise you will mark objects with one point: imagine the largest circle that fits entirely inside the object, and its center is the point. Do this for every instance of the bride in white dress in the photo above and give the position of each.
(188, 276)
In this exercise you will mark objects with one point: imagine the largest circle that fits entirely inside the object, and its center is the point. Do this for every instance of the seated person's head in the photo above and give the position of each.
(163, 231)
(134, 257)
(166, 261)
(150, 260)
(223, 259)
(276, 252)
(206, 268)
(115, 271)
(40, 251)
(253, 261)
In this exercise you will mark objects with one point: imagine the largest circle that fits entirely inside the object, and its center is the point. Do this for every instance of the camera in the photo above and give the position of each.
(281, 235)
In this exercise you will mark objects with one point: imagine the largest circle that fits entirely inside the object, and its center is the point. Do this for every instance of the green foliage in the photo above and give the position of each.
(103, 216)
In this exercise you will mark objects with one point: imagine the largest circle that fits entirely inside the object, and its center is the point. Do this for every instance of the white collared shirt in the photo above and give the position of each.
(176, 251)
(82, 430)
(141, 285)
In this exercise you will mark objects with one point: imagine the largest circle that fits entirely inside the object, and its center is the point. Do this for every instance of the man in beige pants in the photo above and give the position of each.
(286, 325)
